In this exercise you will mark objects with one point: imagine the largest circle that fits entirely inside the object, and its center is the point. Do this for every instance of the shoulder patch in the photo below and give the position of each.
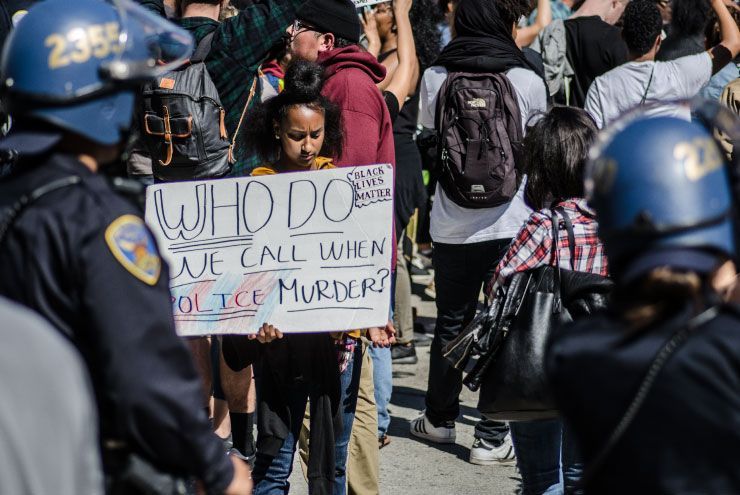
(133, 246)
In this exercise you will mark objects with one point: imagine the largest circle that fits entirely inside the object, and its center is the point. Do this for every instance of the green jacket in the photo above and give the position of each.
(241, 44)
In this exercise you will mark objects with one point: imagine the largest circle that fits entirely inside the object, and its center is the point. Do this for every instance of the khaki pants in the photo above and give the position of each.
(363, 465)
(403, 316)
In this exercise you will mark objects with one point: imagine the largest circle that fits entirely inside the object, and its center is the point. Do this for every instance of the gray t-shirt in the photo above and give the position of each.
(624, 88)
(48, 420)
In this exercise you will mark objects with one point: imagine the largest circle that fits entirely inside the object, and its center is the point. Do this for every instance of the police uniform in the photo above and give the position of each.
(685, 438)
(82, 257)
(77, 252)
(661, 192)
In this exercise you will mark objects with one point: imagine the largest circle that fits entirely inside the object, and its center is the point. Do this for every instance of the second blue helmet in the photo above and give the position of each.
(661, 183)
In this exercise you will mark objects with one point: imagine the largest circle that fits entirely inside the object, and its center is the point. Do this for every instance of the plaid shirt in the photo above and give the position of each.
(532, 247)
(239, 47)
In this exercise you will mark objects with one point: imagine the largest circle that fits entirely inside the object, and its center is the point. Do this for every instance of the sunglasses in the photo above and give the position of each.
(300, 26)
(383, 8)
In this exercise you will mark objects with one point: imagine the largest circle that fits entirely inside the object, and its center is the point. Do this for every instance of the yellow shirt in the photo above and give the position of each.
(323, 164)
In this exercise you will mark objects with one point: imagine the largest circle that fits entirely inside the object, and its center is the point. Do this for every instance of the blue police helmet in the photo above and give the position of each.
(660, 185)
(76, 64)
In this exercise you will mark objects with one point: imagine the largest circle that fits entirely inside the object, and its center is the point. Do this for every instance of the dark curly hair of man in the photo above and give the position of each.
(641, 27)
(512, 10)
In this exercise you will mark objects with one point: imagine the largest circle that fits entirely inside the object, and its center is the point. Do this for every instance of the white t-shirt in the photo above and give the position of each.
(623, 87)
(453, 224)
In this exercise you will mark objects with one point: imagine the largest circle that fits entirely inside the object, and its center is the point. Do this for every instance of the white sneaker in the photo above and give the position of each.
(423, 428)
(485, 454)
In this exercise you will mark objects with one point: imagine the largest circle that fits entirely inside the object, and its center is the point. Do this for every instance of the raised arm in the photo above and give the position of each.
(370, 28)
(728, 31)
(402, 80)
(526, 35)
(251, 35)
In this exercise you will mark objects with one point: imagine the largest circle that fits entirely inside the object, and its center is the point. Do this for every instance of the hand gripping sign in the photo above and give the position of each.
(306, 252)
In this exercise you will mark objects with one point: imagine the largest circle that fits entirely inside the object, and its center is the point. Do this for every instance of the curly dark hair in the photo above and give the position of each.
(427, 38)
(712, 32)
(689, 17)
(303, 83)
(512, 10)
(340, 42)
(555, 153)
(641, 26)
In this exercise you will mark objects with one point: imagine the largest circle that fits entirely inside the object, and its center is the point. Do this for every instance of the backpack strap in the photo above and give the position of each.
(511, 105)
(439, 108)
(13, 212)
(203, 48)
(571, 235)
(232, 146)
(556, 257)
(647, 88)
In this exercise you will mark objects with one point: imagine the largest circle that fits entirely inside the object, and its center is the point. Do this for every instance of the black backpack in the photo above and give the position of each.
(479, 139)
(182, 123)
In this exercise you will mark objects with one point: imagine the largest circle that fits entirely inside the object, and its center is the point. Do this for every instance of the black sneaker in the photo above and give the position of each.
(404, 354)
(421, 338)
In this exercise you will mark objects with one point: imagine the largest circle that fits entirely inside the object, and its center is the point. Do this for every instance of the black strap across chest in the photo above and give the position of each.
(10, 214)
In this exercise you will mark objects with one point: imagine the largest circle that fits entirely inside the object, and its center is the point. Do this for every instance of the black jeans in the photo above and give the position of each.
(460, 270)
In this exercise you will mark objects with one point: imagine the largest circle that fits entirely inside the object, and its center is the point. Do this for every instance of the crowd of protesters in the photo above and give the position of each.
(589, 140)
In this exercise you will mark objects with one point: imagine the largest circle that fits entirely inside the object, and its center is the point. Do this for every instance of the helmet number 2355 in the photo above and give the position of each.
(79, 44)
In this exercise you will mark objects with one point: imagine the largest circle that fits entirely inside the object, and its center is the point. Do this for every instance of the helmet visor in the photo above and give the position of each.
(145, 46)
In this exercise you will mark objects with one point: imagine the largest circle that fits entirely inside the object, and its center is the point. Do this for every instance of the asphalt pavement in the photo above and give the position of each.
(410, 466)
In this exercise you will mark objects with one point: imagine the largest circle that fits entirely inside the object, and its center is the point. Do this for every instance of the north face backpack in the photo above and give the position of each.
(182, 123)
(479, 139)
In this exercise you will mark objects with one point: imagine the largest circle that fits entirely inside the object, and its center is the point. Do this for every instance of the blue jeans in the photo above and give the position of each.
(271, 473)
(383, 383)
(350, 380)
(546, 457)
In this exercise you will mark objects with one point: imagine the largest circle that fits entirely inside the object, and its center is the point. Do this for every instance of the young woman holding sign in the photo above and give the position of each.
(295, 132)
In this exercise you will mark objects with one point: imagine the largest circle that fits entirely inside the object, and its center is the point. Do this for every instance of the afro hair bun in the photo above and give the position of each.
(303, 81)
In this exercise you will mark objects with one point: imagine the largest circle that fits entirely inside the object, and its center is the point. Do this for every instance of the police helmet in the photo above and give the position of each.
(662, 192)
(75, 65)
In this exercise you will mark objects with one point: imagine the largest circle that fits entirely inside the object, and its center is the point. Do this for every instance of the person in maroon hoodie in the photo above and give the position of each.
(328, 32)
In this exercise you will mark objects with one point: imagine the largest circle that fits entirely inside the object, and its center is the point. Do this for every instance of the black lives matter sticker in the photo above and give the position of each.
(372, 184)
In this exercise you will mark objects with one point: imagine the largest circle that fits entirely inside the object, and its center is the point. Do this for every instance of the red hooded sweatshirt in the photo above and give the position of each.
(351, 76)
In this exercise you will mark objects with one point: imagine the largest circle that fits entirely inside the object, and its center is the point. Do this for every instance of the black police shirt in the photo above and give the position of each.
(82, 257)
(686, 437)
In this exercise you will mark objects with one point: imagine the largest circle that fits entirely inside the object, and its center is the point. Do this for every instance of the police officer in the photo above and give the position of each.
(664, 202)
(80, 255)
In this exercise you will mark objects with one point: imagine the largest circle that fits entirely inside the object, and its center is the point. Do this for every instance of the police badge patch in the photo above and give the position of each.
(133, 246)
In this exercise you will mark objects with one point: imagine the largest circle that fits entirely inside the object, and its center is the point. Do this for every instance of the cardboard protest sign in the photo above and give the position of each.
(305, 252)
(367, 3)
